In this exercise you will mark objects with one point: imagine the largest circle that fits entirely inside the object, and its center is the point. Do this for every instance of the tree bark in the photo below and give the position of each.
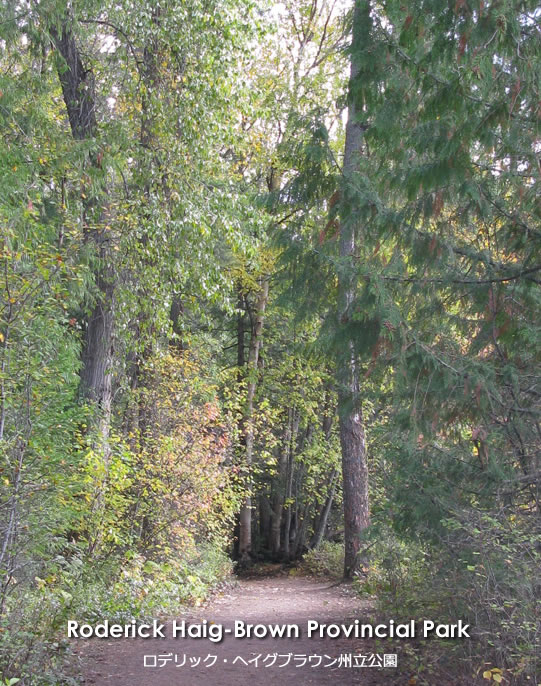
(300, 535)
(175, 314)
(80, 100)
(289, 486)
(245, 515)
(323, 518)
(352, 438)
(279, 486)
(241, 330)
(77, 85)
(265, 517)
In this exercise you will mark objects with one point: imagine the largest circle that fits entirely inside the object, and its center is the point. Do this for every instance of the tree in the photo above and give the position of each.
(245, 515)
(452, 269)
(78, 89)
(352, 433)
(103, 228)
(301, 55)
(450, 279)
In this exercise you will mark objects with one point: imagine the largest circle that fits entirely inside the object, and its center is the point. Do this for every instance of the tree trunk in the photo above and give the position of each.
(321, 521)
(289, 486)
(276, 520)
(265, 517)
(96, 378)
(323, 518)
(80, 100)
(176, 313)
(245, 516)
(352, 439)
(300, 536)
(241, 330)
(279, 486)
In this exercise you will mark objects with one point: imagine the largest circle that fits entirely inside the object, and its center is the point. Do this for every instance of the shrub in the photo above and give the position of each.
(326, 560)
(497, 571)
(33, 644)
(484, 571)
(398, 568)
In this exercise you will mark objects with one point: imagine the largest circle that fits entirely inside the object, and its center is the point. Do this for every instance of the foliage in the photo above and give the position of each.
(181, 487)
(492, 562)
(32, 640)
(211, 165)
(149, 509)
(398, 570)
(498, 560)
(443, 315)
(326, 560)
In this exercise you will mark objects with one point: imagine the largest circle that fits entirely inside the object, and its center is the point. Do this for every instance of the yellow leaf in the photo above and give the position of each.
(1, 337)
(487, 675)
(497, 678)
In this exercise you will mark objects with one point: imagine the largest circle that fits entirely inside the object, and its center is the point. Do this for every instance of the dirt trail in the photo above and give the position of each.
(284, 661)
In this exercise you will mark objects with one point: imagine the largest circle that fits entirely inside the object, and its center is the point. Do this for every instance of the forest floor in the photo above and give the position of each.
(234, 661)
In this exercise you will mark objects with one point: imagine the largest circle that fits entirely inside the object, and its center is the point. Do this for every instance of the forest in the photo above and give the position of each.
(270, 295)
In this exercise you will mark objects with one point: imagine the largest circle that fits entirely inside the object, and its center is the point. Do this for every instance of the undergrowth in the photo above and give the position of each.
(496, 567)
(33, 643)
(327, 560)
